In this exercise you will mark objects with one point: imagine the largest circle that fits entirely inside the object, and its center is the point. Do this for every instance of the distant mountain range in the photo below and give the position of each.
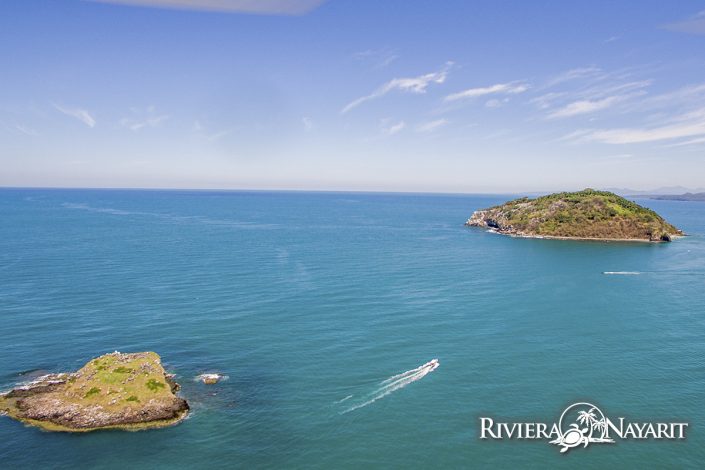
(664, 191)
(670, 193)
(680, 197)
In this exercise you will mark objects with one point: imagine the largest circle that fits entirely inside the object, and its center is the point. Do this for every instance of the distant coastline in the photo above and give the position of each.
(700, 197)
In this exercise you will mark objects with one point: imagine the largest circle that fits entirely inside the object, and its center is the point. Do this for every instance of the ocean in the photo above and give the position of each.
(314, 305)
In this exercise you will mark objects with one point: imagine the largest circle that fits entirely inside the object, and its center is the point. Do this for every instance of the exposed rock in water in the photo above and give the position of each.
(210, 379)
(587, 214)
(118, 390)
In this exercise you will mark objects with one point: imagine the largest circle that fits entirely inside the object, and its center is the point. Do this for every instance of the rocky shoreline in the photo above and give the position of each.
(115, 391)
(554, 237)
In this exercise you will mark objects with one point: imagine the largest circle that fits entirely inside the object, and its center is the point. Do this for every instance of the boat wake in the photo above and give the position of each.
(392, 384)
(622, 273)
(345, 399)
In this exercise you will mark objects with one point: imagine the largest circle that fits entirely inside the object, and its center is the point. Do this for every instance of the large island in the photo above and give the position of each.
(114, 391)
(587, 215)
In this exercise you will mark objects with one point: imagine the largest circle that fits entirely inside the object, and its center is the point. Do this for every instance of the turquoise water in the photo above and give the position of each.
(304, 299)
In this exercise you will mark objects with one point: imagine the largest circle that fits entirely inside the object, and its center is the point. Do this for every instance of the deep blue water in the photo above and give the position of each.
(304, 299)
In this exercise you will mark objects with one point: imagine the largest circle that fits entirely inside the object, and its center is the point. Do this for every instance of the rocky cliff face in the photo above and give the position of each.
(586, 214)
(117, 390)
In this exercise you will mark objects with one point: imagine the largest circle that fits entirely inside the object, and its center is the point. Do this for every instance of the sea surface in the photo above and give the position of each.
(312, 303)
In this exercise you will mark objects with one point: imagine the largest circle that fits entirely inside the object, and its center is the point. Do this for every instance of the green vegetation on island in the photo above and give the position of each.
(118, 390)
(587, 214)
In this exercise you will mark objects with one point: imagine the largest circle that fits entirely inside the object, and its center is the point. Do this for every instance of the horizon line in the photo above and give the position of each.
(260, 190)
(299, 190)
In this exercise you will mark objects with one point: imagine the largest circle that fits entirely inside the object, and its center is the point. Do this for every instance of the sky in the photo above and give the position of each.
(395, 95)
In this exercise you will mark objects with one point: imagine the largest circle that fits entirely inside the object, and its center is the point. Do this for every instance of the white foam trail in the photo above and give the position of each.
(396, 382)
(384, 391)
(393, 384)
(432, 363)
(344, 399)
(622, 273)
(106, 210)
(394, 378)
(425, 369)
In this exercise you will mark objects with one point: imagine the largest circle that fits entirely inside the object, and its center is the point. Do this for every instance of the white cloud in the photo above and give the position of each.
(390, 128)
(415, 85)
(506, 88)
(200, 130)
(585, 106)
(595, 97)
(431, 125)
(684, 97)
(575, 74)
(586, 86)
(677, 116)
(379, 57)
(308, 123)
(26, 130)
(604, 90)
(218, 135)
(619, 156)
(546, 100)
(261, 7)
(146, 118)
(575, 136)
(688, 125)
(699, 140)
(387, 60)
(693, 25)
(495, 103)
(80, 114)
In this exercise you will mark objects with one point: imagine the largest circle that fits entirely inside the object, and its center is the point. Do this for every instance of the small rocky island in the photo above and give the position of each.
(114, 391)
(587, 215)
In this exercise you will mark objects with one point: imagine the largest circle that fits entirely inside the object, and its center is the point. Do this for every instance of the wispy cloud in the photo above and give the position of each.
(431, 125)
(574, 74)
(690, 96)
(598, 93)
(699, 140)
(308, 123)
(391, 128)
(546, 100)
(688, 125)
(693, 25)
(585, 106)
(261, 7)
(143, 118)
(415, 85)
(506, 88)
(584, 83)
(77, 113)
(495, 103)
(26, 130)
(201, 131)
(379, 57)
(618, 156)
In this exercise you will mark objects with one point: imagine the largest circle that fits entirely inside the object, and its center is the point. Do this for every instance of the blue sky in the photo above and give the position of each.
(447, 96)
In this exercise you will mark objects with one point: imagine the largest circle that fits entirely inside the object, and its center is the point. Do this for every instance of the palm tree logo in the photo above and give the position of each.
(590, 426)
